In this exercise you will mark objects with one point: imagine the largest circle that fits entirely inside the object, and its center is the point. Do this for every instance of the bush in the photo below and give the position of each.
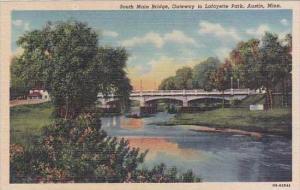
(235, 102)
(80, 151)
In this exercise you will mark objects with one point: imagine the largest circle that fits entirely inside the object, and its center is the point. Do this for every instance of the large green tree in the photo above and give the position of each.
(65, 58)
(18, 86)
(111, 62)
(263, 64)
(245, 58)
(203, 71)
(168, 84)
(221, 78)
(183, 78)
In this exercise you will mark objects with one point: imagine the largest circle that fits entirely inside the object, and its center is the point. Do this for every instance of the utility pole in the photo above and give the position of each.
(231, 85)
(141, 85)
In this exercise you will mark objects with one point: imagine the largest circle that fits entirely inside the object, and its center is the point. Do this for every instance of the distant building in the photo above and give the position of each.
(40, 94)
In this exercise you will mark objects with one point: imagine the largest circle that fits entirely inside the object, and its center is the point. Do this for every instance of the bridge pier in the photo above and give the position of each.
(143, 103)
(185, 103)
(104, 104)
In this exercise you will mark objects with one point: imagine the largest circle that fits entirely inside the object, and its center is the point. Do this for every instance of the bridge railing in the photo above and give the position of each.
(190, 92)
(187, 92)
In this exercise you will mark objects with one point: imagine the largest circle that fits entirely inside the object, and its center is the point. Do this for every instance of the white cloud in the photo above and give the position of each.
(17, 22)
(179, 37)
(259, 31)
(218, 30)
(222, 52)
(151, 37)
(284, 22)
(21, 24)
(158, 40)
(110, 33)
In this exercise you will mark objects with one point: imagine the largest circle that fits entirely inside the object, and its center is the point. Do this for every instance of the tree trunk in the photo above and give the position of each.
(66, 109)
(284, 94)
(269, 99)
(223, 99)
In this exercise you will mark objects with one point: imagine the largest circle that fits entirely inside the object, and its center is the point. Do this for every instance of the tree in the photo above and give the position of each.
(275, 64)
(244, 59)
(202, 73)
(192, 78)
(18, 86)
(183, 78)
(111, 62)
(263, 64)
(168, 84)
(286, 83)
(65, 58)
(221, 79)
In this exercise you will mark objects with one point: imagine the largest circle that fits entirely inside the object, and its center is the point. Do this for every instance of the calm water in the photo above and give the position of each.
(212, 156)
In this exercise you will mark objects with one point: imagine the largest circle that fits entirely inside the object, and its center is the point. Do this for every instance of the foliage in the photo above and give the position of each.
(114, 78)
(221, 78)
(161, 174)
(263, 64)
(168, 84)
(183, 78)
(18, 87)
(192, 78)
(66, 60)
(202, 73)
(79, 151)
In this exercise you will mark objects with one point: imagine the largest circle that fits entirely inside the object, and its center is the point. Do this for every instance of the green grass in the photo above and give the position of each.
(276, 121)
(26, 122)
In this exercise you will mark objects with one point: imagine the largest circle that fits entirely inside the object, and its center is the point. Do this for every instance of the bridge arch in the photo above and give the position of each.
(175, 101)
(227, 98)
(149, 99)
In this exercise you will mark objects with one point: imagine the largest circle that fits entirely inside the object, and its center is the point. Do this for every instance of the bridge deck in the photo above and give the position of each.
(198, 92)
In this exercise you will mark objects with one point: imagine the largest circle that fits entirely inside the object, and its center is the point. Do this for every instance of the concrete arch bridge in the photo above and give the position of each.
(185, 96)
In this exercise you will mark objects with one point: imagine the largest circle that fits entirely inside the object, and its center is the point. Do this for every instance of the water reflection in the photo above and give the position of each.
(132, 123)
(212, 156)
(158, 146)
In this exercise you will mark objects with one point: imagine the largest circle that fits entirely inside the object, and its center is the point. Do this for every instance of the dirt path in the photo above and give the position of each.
(26, 102)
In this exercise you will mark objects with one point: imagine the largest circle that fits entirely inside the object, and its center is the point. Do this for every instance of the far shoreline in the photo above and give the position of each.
(211, 128)
(238, 121)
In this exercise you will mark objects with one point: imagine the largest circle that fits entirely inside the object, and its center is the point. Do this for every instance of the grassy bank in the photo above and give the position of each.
(278, 121)
(26, 122)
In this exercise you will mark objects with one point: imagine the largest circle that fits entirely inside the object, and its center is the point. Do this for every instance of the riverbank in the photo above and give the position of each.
(27, 121)
(225, 130)
(276, 122)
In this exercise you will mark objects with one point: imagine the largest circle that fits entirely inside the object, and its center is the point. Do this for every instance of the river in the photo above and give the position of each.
(215, 157)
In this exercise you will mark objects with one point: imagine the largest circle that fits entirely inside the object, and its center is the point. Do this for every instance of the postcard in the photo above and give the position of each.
(150, 95)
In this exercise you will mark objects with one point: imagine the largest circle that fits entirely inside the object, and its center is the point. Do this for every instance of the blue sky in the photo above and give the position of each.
(159, 42)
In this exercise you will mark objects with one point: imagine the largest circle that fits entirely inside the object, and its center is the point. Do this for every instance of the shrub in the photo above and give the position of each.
(80, 151)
